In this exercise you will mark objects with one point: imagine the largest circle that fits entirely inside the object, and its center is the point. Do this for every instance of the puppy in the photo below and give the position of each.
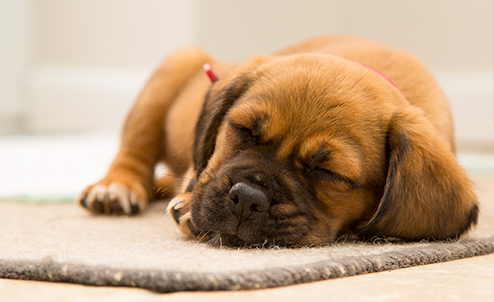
(332, 136)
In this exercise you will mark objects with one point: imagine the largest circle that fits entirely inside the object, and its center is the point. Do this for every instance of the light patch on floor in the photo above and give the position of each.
(57, 167)
(52, 167)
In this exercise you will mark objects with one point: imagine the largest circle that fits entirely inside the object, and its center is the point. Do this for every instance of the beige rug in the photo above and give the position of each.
(63, 243)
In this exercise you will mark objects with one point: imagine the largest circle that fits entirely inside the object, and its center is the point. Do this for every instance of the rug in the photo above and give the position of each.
(63, 243)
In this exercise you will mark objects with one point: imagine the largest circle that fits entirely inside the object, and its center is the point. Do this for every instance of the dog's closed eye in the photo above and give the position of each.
(326, 174)
(245, 135)
(319, 173)
(249, 133)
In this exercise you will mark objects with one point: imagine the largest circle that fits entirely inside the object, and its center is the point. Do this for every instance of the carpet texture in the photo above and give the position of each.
(63, 243)
(164, 280)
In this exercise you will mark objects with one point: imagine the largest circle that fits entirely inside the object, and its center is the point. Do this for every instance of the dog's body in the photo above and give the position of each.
(295, 148)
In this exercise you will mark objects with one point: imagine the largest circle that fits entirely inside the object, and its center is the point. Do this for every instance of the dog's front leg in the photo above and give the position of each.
(127, 186)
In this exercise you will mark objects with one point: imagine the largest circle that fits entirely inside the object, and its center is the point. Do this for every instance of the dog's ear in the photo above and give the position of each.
(427, 194)
(219, 99)
(214, 109)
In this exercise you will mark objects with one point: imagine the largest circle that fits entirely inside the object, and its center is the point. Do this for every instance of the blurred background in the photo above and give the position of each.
(73, 68)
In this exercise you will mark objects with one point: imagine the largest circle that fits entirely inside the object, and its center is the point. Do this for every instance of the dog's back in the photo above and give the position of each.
(414, 80)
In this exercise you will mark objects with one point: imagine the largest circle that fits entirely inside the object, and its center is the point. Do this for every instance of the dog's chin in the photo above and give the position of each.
(216, 239)
(243, 237)
(219, 240)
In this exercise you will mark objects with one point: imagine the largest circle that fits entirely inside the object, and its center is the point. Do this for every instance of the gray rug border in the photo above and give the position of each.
(166, 281)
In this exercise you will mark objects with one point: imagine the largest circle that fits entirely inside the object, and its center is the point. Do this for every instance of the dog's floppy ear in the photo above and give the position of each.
(214, 109)
(427, 194)
(219, 99)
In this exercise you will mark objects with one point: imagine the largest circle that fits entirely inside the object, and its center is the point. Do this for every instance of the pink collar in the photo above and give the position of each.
(382, 75)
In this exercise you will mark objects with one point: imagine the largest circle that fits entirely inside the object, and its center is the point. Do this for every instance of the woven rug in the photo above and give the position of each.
(63, 243)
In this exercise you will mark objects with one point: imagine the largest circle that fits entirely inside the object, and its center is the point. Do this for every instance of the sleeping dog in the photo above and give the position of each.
(332, 136)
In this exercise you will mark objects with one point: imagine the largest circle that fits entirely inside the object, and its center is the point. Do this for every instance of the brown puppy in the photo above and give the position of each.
(299, 148)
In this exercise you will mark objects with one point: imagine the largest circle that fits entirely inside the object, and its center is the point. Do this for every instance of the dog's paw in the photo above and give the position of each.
(179, 210)
(114, 198)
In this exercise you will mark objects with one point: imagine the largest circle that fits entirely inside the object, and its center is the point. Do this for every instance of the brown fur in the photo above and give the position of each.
(331, 144)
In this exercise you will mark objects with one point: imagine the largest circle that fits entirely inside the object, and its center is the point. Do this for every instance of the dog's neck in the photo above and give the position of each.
(382, 75)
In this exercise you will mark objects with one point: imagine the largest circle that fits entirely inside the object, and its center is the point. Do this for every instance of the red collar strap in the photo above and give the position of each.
(382, 75)
(208, 69)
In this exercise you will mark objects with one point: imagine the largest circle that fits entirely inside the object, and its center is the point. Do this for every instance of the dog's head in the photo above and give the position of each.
(300, 150)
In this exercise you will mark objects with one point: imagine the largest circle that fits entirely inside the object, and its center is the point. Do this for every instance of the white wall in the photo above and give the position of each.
(93, 56)
(117, 34)
(449, 35)
(80, 63)
(15, 47)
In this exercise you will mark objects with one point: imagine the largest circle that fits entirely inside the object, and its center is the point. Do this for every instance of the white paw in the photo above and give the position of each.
(114, 198)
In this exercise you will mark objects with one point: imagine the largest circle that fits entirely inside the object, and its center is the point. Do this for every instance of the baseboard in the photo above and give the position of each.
(83, 99)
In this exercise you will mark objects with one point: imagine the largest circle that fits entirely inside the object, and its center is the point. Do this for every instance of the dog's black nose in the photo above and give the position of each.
(247, 201)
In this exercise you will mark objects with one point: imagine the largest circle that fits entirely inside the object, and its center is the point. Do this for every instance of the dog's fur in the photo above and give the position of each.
(327, 144)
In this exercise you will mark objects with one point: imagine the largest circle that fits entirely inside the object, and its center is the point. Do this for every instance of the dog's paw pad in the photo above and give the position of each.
(114, 198)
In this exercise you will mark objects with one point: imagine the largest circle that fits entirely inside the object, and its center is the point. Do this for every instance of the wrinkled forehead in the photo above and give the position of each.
(294, 110)
(298, 103)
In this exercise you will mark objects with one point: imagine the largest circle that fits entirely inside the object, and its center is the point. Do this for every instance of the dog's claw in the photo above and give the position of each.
(179, 210)
(114, 198)
(175, 215)
(192, 228)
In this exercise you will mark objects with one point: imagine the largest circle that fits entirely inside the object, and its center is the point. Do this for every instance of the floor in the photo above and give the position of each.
(28, 159)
